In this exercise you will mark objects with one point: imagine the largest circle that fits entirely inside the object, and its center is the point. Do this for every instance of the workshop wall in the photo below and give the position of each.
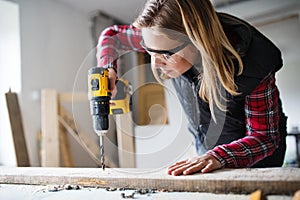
(55, 39)
(10, 74)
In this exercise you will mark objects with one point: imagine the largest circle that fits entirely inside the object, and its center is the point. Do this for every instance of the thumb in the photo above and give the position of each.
(112, 79)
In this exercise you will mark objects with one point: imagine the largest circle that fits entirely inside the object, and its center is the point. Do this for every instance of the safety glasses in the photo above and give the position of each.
(167, 54)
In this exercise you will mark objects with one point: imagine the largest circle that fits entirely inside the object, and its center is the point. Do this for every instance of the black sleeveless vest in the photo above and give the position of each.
(260, 58)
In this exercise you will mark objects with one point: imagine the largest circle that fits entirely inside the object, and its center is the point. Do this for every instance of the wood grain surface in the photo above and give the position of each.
(17, 129)
(240, 181)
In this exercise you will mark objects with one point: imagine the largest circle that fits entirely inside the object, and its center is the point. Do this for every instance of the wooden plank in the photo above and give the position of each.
(269, 180)
(65, 148)
(141, 61)
(17, 129)
(257, 195)
(50, 130)
(126, 141)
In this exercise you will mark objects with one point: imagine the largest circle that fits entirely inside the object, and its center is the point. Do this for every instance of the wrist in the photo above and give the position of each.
(217, 157)
(110, 67)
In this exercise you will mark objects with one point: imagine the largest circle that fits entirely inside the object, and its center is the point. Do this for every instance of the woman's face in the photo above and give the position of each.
(172, 57)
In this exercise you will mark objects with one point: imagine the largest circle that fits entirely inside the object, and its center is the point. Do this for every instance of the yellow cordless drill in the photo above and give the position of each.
(101, 104)
(99, 97)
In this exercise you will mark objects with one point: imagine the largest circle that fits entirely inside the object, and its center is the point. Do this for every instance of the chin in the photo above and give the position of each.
(171, 73)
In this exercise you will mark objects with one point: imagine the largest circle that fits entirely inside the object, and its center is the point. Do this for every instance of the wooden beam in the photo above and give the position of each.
(245, 181)
(64, 143)
(126, 140)
(50, 130)
(141, 70)
(17, 129)
(65, 148)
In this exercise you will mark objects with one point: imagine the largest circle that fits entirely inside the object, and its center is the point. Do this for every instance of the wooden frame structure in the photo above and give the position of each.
(56, 121)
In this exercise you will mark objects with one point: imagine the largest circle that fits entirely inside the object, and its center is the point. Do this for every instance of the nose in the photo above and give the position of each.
(157, 61)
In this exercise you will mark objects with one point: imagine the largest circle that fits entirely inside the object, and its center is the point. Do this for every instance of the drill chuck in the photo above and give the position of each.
(100, 111)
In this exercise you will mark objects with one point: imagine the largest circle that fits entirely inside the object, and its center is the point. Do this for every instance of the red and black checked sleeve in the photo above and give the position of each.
(262, 131)
(117, 39)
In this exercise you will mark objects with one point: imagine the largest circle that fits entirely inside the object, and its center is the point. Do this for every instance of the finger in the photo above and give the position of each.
(195, 168)
(112, 79)
(112, 87)
(178, 163)
(208, 168)
(114, 92)
(174, 167)
(180, 170)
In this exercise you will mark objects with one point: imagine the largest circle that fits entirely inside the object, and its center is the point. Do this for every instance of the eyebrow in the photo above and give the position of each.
(170, 51)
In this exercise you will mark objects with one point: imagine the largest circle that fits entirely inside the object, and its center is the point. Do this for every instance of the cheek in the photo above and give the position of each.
(178, 67)
(191, 55)
(171, 69)
(182, 65)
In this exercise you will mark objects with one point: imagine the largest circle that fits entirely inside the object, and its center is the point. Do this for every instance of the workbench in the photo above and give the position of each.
(276, 181)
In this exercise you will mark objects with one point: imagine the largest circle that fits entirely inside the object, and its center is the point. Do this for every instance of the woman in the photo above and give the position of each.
(223, 70)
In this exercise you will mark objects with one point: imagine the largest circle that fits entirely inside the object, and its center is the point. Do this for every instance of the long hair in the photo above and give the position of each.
(198, 20)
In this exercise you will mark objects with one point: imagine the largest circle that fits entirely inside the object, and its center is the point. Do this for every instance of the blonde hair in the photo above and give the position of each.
(198, 20)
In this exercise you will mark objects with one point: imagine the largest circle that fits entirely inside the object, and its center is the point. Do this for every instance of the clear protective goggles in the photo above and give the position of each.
(166, 54)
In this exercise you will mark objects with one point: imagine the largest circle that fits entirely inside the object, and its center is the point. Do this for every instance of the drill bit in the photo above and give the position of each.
(101, 135)
(102, 152)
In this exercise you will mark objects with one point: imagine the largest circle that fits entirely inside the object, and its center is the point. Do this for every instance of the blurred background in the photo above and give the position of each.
(51, 44)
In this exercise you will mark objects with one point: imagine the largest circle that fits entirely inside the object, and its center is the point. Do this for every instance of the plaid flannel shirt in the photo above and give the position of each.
(261, 106)
(114, 40)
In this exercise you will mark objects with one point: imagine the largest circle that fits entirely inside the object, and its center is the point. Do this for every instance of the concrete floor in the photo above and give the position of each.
(30, 192)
